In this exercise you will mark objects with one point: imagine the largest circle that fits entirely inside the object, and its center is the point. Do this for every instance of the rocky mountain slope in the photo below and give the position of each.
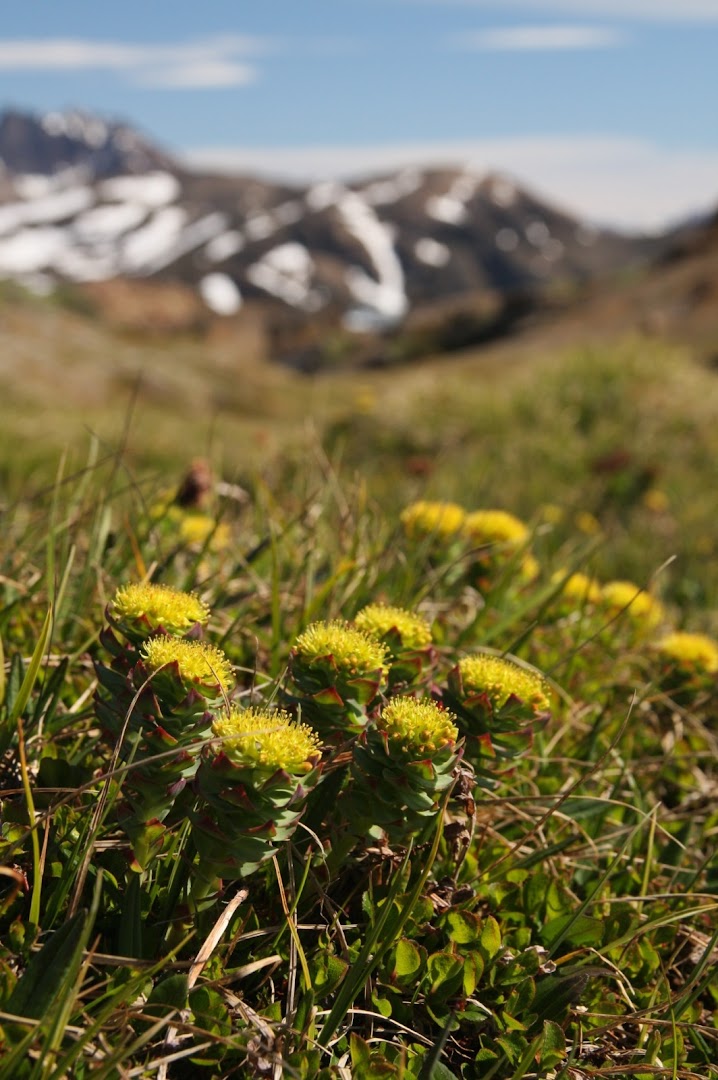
(84, 200)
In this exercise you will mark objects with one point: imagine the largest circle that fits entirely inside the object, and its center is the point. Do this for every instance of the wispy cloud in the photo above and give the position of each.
(540, 38)
(626, 182)
(686, 11)
(208, 63)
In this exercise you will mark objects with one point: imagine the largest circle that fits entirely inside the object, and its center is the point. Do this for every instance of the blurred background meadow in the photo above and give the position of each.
(271, 274)
(462, 249)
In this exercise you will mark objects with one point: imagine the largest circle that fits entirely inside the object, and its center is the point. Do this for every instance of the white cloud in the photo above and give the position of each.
(212, 62)
(624, 182)
(540, 38)
(655, 10)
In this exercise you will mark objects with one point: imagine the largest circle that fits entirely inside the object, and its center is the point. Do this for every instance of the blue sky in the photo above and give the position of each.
(609, 106)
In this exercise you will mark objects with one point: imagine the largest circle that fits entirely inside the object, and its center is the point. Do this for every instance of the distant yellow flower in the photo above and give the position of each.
(587, 523)
(196, 529)
(499, 679)
(379, 620)
(365, 400)
(141, 609)
(530, 567)
(638, 604)
(268, 739)
(552, 513)
(442, 520)
(579, 588)
(352, 650)
(199, 664)
(656, 501)
(690, 650)
(420, 726)
(495, 527)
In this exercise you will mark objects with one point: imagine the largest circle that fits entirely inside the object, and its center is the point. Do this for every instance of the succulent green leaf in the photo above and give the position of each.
(169, 993)
(46, 974)
(408, 961)
(553, 1045)
(491, 937)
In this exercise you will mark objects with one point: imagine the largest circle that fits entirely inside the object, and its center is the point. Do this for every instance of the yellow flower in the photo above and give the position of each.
(268, 739)
(656, 501)
(642, 608)
(530, 567)
(199, 664)
(579, 588)
(690, 650)
(442, 520)
(353, 651)
(552, 514)
(495, 527)
(379, 620)
(196, 529)
(141, 609)
(500, 679)
(421, 726)
(587, 523)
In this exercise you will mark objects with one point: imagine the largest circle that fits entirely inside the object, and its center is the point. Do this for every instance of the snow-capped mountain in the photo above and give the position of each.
(84, 200)
(57, 141)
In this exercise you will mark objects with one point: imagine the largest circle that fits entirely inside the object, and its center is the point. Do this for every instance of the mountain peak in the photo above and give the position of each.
(50, 143)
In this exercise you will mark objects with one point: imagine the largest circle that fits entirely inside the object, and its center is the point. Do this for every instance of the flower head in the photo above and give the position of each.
(268, 740)
(140, 610)
(495, 527)
(697, 651)
(578, 588)
(198, 664)
(642, 608)
(352, 651)
(442, 520)
(197, 529)
(337, 670)
(385, 623)
(420, 726)
(499, 679)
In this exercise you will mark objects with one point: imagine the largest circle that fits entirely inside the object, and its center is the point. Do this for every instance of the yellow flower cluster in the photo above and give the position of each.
(196, 529)
(495, 527)
(690, 650)
(442, 520)
(420, 725)
(197, 661)
(268, 739)
(175, 611)
(579, 588)
(354, 652)
(642, 608)
(379, 620)
(499, 679)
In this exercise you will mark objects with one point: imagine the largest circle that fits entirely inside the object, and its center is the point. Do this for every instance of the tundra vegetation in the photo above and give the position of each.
(399, 761)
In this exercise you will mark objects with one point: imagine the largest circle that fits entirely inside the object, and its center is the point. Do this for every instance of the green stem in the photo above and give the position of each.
(37, 863)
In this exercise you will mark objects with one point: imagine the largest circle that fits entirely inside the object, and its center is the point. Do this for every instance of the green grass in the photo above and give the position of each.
(555, 917)
(546, 908)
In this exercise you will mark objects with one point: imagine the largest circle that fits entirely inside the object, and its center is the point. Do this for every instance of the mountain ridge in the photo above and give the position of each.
(85, 200)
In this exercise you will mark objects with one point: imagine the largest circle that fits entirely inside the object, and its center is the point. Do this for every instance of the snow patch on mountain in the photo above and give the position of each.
(220, 294)
(383, 300)
(108, 222)
(451, 208)
(50, 208)
(383, 192)
(431, 252)
(286, 272)
(224, 246)
(90, 129)
(151, 190)
(30, 250)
